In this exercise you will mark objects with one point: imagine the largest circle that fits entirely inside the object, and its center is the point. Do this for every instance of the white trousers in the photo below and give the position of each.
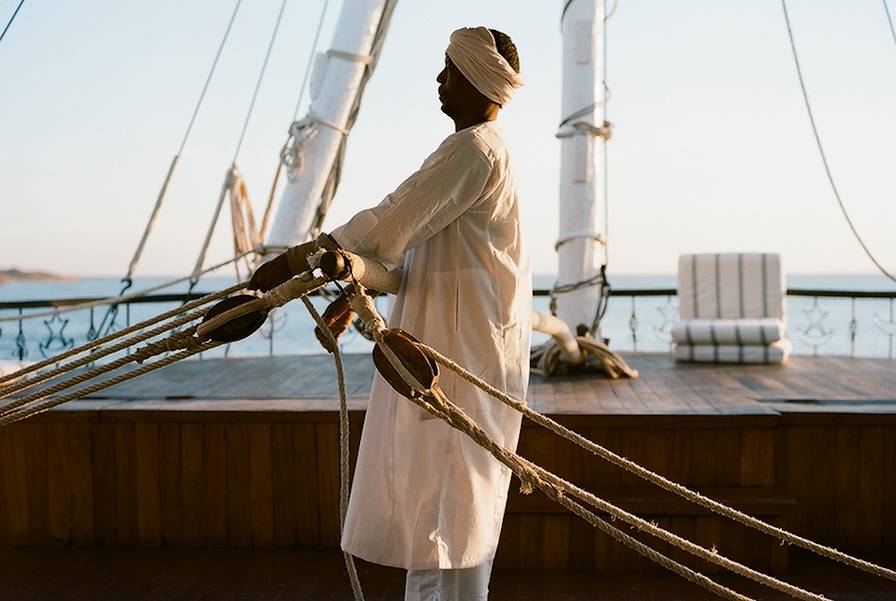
(468, 584)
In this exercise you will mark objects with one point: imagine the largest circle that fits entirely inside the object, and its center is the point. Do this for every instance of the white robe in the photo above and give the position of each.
(424, 495)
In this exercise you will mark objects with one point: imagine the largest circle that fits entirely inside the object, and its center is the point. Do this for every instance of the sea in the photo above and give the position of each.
(817, 326)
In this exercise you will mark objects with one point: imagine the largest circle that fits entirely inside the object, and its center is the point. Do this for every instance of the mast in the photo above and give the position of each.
(582, 146)
(314, 152)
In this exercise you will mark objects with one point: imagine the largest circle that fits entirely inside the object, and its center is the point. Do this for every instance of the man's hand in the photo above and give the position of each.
(271, 274)
(338, 317)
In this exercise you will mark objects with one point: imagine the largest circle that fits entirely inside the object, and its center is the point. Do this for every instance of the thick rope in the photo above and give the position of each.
(344, 451)
(682, 543)
(532, 475)
(531, 478)
(49, 404)
(192, 338)
(128, 330)
(42, 377)
(173, 343)
(434, 401)
(653, 477)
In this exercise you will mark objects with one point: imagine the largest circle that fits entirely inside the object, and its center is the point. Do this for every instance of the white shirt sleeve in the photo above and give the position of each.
(449, 182)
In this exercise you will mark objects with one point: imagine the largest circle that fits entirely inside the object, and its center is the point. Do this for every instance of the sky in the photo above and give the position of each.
(712, 149)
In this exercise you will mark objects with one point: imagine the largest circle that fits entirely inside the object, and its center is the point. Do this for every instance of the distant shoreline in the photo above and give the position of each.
(17, 275)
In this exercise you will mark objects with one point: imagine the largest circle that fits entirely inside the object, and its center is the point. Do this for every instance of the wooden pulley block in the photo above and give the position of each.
(421, 366)
(238, 327)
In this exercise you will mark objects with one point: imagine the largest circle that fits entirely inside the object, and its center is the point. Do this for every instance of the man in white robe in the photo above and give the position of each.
(425, 497)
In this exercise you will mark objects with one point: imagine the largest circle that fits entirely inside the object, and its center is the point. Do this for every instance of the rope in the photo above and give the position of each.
(344, 451)
(138, 326)
(193, 338)
(155, 211)
(824, 159)
(11, 19)
(49, 404)
(889, 20)
(208, 79)
(114, 300)
(531, 478)
(434, 401)
(229, 179)
(142, 354)
(42, 377)
(320, 24)
(664, 535)
(264, 66)
(531, 475)
(657, 479)
(332, 182)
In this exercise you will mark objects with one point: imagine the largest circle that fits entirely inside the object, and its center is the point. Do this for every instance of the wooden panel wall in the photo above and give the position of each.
(271, 479)
(151, 484)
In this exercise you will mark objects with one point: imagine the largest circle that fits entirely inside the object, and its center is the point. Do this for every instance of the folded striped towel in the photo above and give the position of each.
(738, 332)
(777, 352)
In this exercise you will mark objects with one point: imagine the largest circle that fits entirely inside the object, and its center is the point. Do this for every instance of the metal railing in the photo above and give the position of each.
(838, 322)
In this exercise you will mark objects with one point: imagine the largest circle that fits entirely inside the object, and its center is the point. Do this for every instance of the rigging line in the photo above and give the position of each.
(821, 152)
(563, 12)
(320, 24)
(174, 161)
(332, 182)
(295, 115)
(264, 67)
(122, 298)
(11, 19)
(208, 79)
(889, 20)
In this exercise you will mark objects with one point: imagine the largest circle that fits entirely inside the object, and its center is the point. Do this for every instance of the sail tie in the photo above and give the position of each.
(301, 132)
(350, 56)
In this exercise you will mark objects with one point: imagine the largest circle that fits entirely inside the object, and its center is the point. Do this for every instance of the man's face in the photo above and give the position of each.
(456, 93)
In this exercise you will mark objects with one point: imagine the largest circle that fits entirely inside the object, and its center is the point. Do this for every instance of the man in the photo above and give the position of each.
(425, 497)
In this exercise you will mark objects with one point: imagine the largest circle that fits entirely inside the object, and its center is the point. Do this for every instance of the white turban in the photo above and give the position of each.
(473, 51)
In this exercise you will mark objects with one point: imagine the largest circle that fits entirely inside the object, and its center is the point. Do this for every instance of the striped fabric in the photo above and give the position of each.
(777, 352)
(732, 308)
(731, 286)
(739, 332)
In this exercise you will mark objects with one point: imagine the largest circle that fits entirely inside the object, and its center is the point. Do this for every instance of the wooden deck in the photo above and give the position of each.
(307, 383)
(242, 453)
